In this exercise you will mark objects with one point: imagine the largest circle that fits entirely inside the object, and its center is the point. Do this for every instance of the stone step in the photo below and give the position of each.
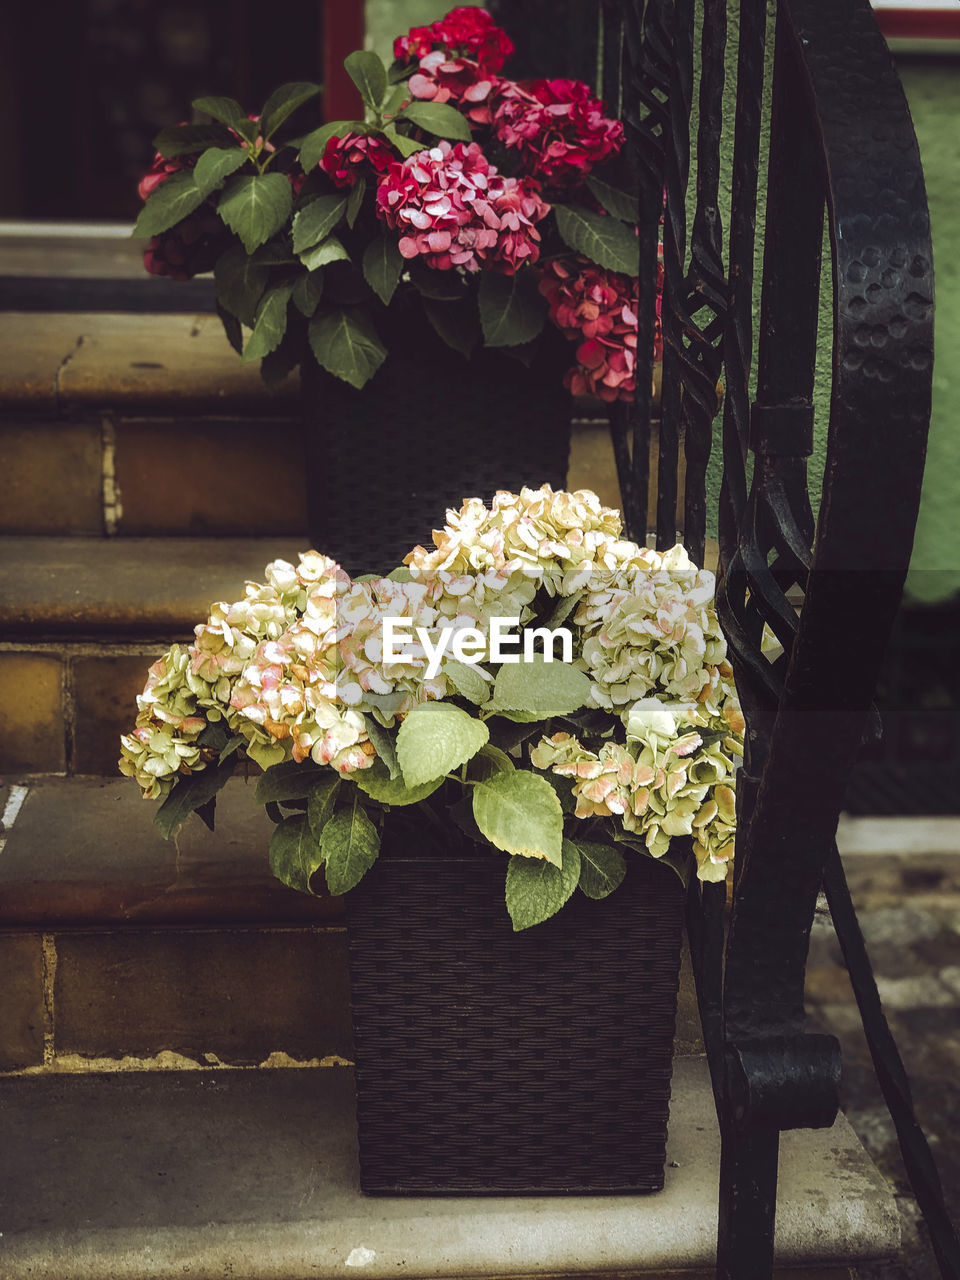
(81, 620)
(209, 1174)
(118, 945)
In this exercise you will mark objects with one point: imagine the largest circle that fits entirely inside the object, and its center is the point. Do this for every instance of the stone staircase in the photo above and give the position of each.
(175, 1040)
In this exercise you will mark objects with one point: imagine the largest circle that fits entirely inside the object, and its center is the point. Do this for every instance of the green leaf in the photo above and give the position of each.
(435, 738)
(230, 746)
(231, 327)
(355, 200)
(350, 846)
(456, 323)
(383, 743)
(186, 139)
(229, 112)
(377, 783)
(275, 253)
(511, 308)
(168, 204)
(283, 359)
(467, 680)
(488, 761)
(406, 146)
(288, 781)
(399, 93)
(240, 283)
(606, 241)
(188, 794)
(537, 890)
(307, 292)
(564, 789)
(618, 202)
(270, 324)
(256, 206)
(365, 68)
(439, 119)
(321, 803)
(315, 143)
(322, 254)
(216, 165)
(317, 220)
(519, 812)
(562, 610)
(444, 286)
(382, 266)
(602, 868)
(283, 102)
(541, 688)
(295, 853)
(346, 344)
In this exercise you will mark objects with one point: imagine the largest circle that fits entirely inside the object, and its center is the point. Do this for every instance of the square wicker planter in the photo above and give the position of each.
(493, 1062)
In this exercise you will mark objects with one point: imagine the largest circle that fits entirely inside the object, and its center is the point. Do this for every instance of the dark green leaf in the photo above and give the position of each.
(602, 868)
(511, 308)
(206, 813)
(322, 254)
(406, 146)
(377, 783)
(231, 746)
(488, 761)
(439, 119)
(275, 253)
(314, 144)
(270, 324)
(617, 201)
(231, 327)
(399, 93)
(457, 323)
(365, 68)
(295, 854)
(188, 794)
(317, 220)
(228, 112)
(288, 781)
(350, 847)
(283, 102)
(321, 803)
(240, 282)
(443, 286)
(275, 366)
(382, 266)
(307, 292)
(168, 204)
(383, 742)
(346, 344)
(355, 201)
(216, 165)
(606, 241)
(274, 812)
(537, 890)
(186, 139)
(256, 206)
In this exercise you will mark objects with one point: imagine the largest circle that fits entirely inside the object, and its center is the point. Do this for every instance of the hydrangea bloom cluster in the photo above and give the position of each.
(460, 81)
(466, 31)
(454, 209)
(354, 156)
(557, 128)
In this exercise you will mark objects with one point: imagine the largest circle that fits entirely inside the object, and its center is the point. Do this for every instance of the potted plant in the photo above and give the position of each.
(531, 723)
(426, 267)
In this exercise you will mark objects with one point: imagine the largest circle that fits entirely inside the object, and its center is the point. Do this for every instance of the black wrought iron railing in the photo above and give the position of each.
(842, 154)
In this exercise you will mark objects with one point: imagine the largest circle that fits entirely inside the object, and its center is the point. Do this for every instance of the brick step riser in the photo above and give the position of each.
(81, 999)
(154, 477)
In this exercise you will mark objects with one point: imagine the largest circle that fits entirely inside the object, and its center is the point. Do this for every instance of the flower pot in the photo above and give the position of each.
(430, 429)
(494, 1062)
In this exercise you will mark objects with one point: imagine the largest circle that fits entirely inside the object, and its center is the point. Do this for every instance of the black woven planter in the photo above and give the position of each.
(490, 1062)
(430, 429)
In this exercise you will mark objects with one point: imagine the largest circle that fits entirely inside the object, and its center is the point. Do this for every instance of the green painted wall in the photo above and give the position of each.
(933, 92)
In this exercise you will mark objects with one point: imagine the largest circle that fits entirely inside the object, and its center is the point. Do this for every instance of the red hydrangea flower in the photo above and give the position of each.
(189, 248)
(354, 156)
(160, 171)
(466, 31)
(557, 127)
(456, 80)
(454, 209)
(598, 308)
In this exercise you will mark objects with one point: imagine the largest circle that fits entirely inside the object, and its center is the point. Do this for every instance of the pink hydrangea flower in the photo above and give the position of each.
(354, 156)
(454, 209)
(557, 127)
(598, 308)
(455, 80)
(467, 31)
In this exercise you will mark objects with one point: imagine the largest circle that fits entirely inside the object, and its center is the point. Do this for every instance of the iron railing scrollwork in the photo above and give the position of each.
(841, 142)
